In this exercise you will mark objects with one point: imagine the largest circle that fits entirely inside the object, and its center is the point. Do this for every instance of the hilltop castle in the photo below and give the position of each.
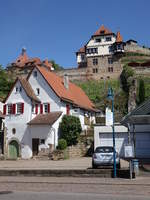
(99, 58)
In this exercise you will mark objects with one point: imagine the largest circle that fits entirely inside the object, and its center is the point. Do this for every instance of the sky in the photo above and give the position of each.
(56, 29)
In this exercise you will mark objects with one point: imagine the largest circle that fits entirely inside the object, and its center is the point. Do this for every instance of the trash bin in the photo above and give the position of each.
(135, 164)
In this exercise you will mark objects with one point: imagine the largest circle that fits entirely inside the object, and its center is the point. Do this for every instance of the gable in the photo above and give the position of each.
(17, 94)
(46, 93)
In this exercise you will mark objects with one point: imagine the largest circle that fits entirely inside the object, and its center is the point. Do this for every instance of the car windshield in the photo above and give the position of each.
(104, 150)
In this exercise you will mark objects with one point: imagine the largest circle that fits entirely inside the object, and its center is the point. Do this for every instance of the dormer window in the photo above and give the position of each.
(37, 91)
(98, 40)
(35, 73)
(102, 32)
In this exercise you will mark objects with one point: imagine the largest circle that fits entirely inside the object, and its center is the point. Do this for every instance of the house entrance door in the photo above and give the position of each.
(13, 149)
(35, 146)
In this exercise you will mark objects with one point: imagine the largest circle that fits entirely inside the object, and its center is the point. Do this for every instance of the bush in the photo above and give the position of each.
(124, 77)
(62, 144)
(70, 129)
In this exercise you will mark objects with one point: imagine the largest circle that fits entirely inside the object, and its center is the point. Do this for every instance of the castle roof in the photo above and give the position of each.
(81, 50)
(24, 61)
(103, 31)
(119, 37)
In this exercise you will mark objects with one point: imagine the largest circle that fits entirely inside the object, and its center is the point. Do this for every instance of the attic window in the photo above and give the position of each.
(16, 89)
(98, 40)
(35, 73)
(18, 60)
(37, 91)
(102, 32)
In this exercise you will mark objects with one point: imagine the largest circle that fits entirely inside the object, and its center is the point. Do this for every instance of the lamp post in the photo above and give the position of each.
(110, 96)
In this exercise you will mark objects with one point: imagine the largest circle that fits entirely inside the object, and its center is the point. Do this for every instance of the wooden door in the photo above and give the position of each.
(35, 146)
(13, 150)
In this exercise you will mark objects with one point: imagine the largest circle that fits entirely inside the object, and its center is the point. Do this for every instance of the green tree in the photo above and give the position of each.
(70, 129)
(5, 82)
(55, 65)
(125, 78)
(141, 91)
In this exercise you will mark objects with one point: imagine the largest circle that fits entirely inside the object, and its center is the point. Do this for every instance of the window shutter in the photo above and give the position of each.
(22, 108)
(4, 109)
(48, 107)
(11, 108)
(67, 109)
(36, 109)
(14, 109)
(41, 109)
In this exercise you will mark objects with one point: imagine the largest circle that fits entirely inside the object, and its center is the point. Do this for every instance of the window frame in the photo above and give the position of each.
(108, 39)
(18, 112)
(9, 109)
(35, 73)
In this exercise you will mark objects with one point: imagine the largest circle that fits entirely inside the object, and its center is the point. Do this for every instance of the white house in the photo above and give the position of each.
(1, 106)
(34, 108)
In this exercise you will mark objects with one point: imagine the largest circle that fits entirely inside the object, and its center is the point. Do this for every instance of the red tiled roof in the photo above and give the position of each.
(119, 37)
(102, 31)
(48, 118)
(29, 91)
(74, 93)
(81, 50)
(47, 64)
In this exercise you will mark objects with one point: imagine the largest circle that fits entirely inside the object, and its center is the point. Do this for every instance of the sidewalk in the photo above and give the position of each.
(82, 163)
(77, 163)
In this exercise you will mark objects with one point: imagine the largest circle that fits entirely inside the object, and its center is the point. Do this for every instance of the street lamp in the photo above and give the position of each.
(110, 96)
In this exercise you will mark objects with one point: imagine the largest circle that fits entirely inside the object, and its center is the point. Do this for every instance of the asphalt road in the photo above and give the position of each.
(71, 188)
(66, 196)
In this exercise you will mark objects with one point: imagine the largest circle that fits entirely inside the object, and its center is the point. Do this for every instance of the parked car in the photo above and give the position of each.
(103, 156)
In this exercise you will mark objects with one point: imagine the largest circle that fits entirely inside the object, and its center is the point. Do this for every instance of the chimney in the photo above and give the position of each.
(66, 81)
(23, 51)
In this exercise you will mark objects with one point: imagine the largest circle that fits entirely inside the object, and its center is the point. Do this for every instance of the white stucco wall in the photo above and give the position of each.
(19, 121)
(80, 58)
(103, 46)
(1, 106)
(46, 95)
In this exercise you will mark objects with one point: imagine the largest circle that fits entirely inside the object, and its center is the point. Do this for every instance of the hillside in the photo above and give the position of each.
(97, 90)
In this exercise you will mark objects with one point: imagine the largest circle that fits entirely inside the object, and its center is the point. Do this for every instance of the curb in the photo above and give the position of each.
(104, 173)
